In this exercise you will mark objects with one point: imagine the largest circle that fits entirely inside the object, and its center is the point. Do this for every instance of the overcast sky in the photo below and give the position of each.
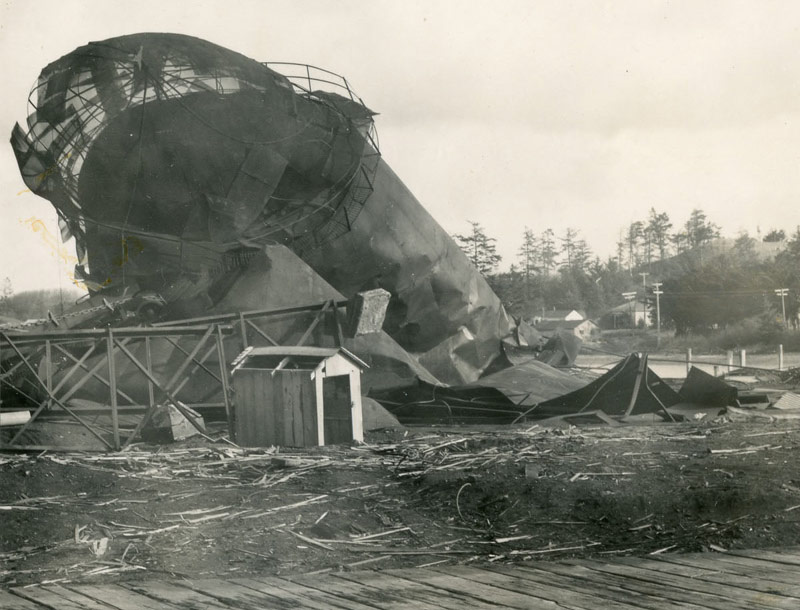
(511, 114)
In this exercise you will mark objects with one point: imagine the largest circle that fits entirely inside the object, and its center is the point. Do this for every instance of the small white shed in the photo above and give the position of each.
(297, 396)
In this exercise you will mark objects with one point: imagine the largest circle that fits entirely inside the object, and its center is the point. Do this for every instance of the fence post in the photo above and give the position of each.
(243, 330)
(48, 368)
(730, 360)
(688, 359)
(743, 358)
(1, 387)
(148, 355)
(780, 357)
(112, 386)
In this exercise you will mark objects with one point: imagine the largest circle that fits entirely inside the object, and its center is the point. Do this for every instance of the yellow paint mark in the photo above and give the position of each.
(39, 178)
(131, 247)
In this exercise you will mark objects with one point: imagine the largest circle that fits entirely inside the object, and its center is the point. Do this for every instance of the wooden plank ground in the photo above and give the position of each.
(739, 580)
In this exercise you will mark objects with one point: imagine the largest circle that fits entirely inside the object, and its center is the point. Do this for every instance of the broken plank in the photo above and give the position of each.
(486, 593)
(603, 595)
(328, 599)
(238, 596)
(10, 601)
(174, 594)
(120, 597)
(292, 600)
(714, 575)
(724, 564)
(419, 593)
(775, 556)
(58, 598)
(390, 599)
(655, 595)
(756, 562)
(680, 588)
(512, 582)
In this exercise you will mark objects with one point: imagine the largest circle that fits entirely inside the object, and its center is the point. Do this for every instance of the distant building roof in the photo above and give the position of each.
(626, 307)
(565, 324)
(561, 314)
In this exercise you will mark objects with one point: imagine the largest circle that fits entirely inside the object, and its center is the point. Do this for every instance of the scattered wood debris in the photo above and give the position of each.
(457, 495)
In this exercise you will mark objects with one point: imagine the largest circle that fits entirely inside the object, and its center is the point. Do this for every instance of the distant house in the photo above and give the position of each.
(559, 315)
(627, 315)
(583, 329)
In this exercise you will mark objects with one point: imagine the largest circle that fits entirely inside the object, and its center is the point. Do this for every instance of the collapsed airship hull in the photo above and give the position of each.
(174, 163)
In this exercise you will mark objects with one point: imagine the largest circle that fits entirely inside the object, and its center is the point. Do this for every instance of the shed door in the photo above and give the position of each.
(337, 409)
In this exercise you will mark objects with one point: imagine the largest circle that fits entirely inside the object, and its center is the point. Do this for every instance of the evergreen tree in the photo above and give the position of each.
(528, 254)
(632, 239)
(581, 255)
(775, 235)
(568, 246)
(699, 230)
(6, 292)
(479, 248)
(547, 251)
(658, 227)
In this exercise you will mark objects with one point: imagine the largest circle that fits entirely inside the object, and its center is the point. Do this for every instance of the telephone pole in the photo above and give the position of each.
(644, 275)
(658, 292)
(630, 296)
(782, 292)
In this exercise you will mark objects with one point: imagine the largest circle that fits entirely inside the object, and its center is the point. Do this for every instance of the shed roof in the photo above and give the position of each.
(302, 351)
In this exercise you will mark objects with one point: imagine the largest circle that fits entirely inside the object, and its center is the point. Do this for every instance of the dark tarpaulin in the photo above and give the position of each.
(497, 398)
(561, 349)
(630, 388)
(425, 403)
(702, 389)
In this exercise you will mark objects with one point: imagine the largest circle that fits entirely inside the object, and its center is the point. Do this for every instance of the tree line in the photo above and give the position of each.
(554, 271)
(33, 304)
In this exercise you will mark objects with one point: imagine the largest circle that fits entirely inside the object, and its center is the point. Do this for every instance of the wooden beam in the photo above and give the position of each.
(91, 373)
(77, 364)
(188, 376)
(247, 315)
(223, 375)
(122, 332)
(148, 360)
(313, 325)
(72, 390)
(261, 332)
(166, 392)
(190, 358)
(50, 395)
(112, 386)
(339, 333)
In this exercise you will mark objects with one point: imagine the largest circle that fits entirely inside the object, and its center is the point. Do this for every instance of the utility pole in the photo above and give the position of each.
(644, 275)
(782, 292)
(658, 292)
(630, 296)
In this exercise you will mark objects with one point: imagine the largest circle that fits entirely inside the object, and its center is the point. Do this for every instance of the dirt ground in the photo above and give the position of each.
(429, 495)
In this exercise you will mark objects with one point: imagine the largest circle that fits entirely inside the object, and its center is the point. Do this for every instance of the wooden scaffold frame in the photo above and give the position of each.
(33, 352)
